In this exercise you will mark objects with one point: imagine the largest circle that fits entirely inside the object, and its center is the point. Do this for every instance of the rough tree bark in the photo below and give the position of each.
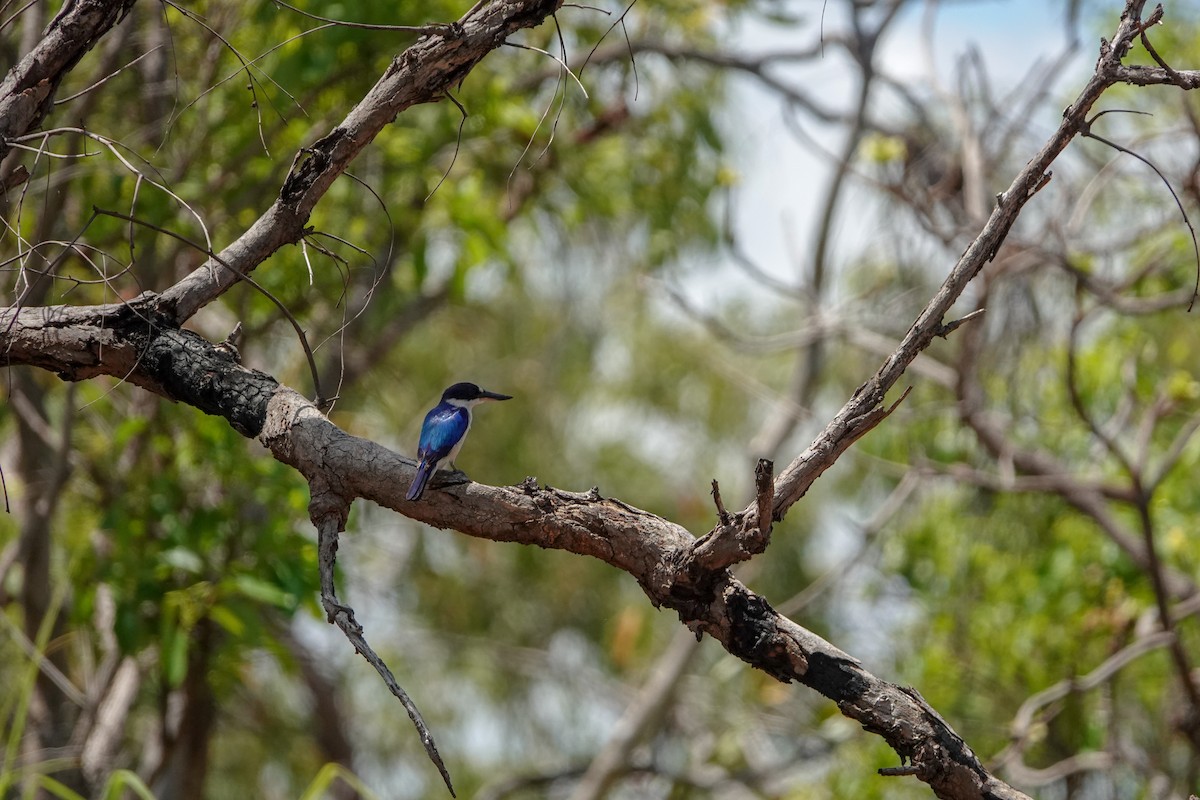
(141, 342)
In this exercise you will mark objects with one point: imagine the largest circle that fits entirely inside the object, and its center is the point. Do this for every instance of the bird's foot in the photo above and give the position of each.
(451, 476)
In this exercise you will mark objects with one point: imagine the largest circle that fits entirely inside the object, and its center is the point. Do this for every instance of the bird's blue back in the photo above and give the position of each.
(444, 426)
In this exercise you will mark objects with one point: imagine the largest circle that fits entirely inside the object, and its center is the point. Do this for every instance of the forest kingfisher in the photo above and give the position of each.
(444, 431)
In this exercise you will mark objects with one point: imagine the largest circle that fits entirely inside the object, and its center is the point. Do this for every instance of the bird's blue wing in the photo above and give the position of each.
(444, 427)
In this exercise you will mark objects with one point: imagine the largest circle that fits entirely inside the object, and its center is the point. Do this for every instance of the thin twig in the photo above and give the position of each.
(1086, 131)
(618, 21)
(245, 66)
(112, 145)
(722, 514)
(18, 13)
(562, 62)
(764, 484)
(462, 120)
(341, 615)
(175, 116)
(435, 28)
(107, 77)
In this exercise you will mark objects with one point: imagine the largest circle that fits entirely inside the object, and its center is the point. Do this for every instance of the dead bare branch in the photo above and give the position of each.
(329, 512)
(1087, 131)
(847, 425)
(640, 718)
(650, 548)
(1031, 710)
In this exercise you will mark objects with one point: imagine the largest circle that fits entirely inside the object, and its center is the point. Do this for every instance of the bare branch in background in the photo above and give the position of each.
(810, 361)
(641, 717)
(1032, 710)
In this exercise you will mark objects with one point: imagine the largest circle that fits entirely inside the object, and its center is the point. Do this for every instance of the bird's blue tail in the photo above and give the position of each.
(417, 488)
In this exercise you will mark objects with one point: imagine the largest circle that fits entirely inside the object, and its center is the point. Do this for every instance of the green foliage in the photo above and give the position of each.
(199, 527)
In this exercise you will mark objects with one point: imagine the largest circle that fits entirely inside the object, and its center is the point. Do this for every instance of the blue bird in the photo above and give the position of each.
(444, 431)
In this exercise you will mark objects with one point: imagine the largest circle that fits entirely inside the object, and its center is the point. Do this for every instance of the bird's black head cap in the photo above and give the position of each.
(466, 391)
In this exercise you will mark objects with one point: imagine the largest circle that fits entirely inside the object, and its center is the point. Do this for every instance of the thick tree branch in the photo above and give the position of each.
(648, 547)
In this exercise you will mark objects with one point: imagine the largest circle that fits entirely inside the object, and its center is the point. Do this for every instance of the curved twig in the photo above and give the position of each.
(106, 78)
(251, 63)
(437, 27)
(329, 523)
(1086, 131)
(462, 120)
(421, 74)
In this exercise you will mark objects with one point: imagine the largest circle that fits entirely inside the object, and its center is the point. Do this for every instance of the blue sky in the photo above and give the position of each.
(781, 180)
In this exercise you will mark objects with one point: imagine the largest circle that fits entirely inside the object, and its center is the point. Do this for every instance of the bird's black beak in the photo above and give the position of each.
(486, 395)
